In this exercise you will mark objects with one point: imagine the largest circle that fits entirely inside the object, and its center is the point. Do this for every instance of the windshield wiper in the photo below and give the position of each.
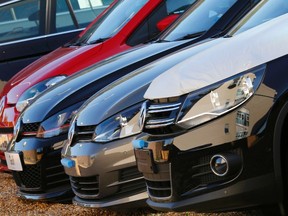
(189, 36)
(74, 43)
(99, 40)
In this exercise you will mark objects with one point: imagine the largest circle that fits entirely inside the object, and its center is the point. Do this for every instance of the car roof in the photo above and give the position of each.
(6, 2)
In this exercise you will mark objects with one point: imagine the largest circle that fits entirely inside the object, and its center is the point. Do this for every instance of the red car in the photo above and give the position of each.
(123, 25)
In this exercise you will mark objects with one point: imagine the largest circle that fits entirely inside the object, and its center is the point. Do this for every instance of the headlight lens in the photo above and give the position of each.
(58, 123)
(35, 90)
(215, 100)
(121, 125)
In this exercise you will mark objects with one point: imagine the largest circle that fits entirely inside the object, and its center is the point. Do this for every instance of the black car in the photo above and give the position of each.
(216, 134)
(42, 129)
(30, 29)
(98, 155)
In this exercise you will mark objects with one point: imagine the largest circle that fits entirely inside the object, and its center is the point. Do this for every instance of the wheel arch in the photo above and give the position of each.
(278, 148)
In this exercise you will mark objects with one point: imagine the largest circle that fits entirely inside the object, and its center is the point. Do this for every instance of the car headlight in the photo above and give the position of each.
(121, 125)
(58, 123)
(35, 90)
(220, 98)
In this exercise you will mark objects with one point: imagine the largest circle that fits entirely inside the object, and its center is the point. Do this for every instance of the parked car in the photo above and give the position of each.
(99, 146)
(121, 27)
(217, 132)
(45, 136)
(31, 29)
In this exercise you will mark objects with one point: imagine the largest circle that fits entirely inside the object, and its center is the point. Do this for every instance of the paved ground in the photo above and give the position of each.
(10, 205)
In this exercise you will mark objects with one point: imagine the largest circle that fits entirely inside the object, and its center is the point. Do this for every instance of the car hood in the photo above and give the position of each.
(81, 86)
(62, 61)
(244, 51)
(129, 90)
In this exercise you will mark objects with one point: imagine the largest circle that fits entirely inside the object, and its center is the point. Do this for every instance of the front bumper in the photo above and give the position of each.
(186, 181)
(244, 194)
(43, 176)
(105, 175)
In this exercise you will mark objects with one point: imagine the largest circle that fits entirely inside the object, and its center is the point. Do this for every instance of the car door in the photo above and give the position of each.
(22, 30)
(30, 29)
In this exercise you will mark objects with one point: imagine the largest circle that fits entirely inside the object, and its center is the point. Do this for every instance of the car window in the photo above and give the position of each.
(198, 19)
(148, 29)
(110, 23)
(87, 10)
(264, 11)
(19, 20)
(177, 7)
(83, 10)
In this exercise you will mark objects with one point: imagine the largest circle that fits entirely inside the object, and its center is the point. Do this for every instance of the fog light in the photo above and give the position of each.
(224, 164)
(219, 165)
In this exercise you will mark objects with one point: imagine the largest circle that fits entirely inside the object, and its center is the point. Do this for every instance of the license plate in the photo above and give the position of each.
(145, 162)
(13, 161)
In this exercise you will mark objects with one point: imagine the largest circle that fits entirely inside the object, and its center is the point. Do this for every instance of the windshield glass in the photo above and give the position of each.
(264, 11)
(112, 21)
(198, 19)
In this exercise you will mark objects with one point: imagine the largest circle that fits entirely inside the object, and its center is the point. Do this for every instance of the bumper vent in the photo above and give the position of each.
(131, 180)
(198, 174)
(85, 187)
(54, 173)
(159, 189)
(129, 173)
(190, 174)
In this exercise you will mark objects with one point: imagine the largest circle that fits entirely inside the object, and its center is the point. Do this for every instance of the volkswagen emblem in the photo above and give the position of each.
(142, 116)
(17, 128)
(71, 132)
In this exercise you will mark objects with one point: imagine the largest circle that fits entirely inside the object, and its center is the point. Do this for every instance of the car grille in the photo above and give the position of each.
(85, 133)
(85, 187)
(46, 174)
(161, 116)
(32, 127)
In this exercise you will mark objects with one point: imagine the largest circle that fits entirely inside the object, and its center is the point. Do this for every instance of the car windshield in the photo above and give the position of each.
(111, 22)
(198, 19)
(264, 11)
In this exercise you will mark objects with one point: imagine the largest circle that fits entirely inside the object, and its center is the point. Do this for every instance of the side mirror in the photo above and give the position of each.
(164, 23)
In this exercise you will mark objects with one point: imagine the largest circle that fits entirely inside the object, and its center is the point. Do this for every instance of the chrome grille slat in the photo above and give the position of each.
(158, 125)
(161, 115)
(85, 132)
(163, 110)
(159, 121)
(163, 106)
